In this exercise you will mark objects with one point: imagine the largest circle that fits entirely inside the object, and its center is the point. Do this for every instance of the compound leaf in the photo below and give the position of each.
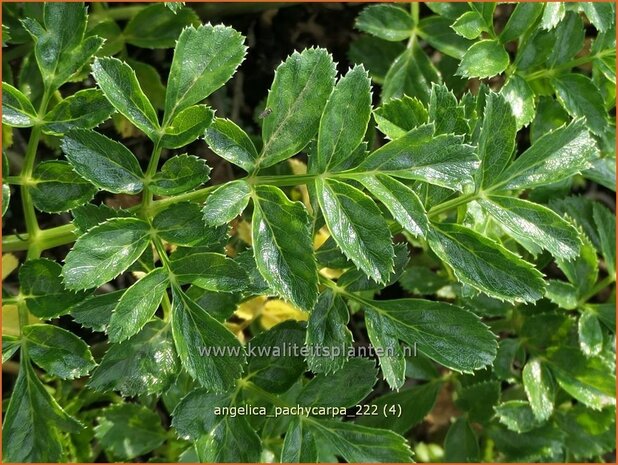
(187, 126)
(484, 59)
(17, 111)
(85, 109)
(57, 188)
(388, 22)
(180, 174)
(231, 143)
(226, 202)
(210, 271)
(398, 116)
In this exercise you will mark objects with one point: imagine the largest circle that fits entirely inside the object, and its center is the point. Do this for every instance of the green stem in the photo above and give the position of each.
(605, 282)
(123, 12)
(568, 65)
(450, 204)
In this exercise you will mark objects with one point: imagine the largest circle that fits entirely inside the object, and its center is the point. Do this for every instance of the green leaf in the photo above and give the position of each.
(156, 26)
(437, 32)
(347, 111)
(33, 422)
(460, 443)
(581, 98)
(605, 221)
(358, 227)
(43, 291)
(57, 351)
(282, 247)
(484, 59)
(445, 333)
(569, 40)
(534, 226)
(478, 400)
(210, 271)
(588, 433)
(540, 388)
(144, 364)
(517, 416)
(584, 270)
(400, 200)
(231, 143)
(357, 443)
(327, 329)
(17, 111)
(590, 334)
(448, 117)
(376, 55)
(179, 174)
(85, 109)
(443, 160)
(149, 78)
(486, 265)
(10, 345)
(187, 126)
(422, 281)
(412, 74)
(520, 21)
(450, 10)
(226, 202)
(128, 430)
(384, 337)
(603, 172)
(388, 22)
(470, 25)
(96, 311)
(586, 379)
(104, 252)
(415, 404)
(138, 305)
(555, 156)
(520, 96)
(325, 390)
(6, 189)
(398, 116)
(88, 216)
(497, 138)
(180, 224)
(57, 188)
(104, 162)
(299, 445)
(544, 444)
(119, 83)
(270, 366)
(552, 14)
(301, 88)
(205, 58)
(562, 294)
(195, 332)
(600, 14)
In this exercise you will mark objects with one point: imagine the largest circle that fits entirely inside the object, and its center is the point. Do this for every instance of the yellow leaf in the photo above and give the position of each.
(10, 320)
(251, 308)
(276, 311)
(9, 264)
(244, 232)
(298, 168)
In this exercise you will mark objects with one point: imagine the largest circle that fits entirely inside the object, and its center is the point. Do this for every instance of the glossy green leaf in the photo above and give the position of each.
(581, 98)
(376, 55)
(562, 294)
(180, 224)
(443, 160)
(137, 305)
(603, 171)
(95, 311)
(33, 422)
(398, 116)
(150, 80)
(104, 162)
(438, 33)
(388, 22)
(600, 14)
(450, 10)
(270, 367)
(210, 271)
(226, 202)
(17, 111)
(205, 58)
(588, 433)
(327, 329)
(486, 265)
(344, 121)
(521, 20)
(569, 40)
(357, 443)
(104, 252)
(400, 200)
(187, 126)
(497, 138)
(144, 364)
(58, 351)
(554, 156)
(6, 189)
(156, 26)
(231, 143)
(43, 291)
(484, 59)
(282, 247)
(358, 227)
(57, 188)
(470, 25)
(441, 331)
(384, 338)
(129, 430)
(299, 445)
(478, 400)
(10, 346)
(552, 14)
(85, 109)
(302, 85)
(520, 96)
(590, 334)
(119, 83)
(517, 416)
(534, 226)
(461, 443)
(180, 174)
(324, 390)
(410, 74)
(583, 271)
(196, 332)
(540, 388)
(605, 221)
(445, 112)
